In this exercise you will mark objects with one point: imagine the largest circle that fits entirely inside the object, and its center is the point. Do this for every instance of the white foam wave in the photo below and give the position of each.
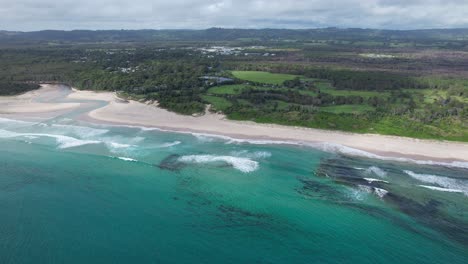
(125, 159)
(230, 140)
(324, 146)
(380, 192)
(81, 131)
(241, 164)
(441, 181)
(360, 193)
(252, 155)
(169, 144)
(63, 141)
(336, 148)
(441, 189)
(116, 145)
(70, 142)
(120, 144)
(203, 138)
(371, 180)
(376, 171)
(340, 149)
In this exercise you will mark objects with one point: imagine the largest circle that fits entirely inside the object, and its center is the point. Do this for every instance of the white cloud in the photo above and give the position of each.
(137, 14)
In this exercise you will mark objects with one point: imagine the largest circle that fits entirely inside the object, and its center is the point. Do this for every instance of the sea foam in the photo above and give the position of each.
(440, 189)
(324, 146)
(242, 164)
(80, 131)
(252, 155)
(169, 144)
(371, 180)
(444, 182)
(337, 148)
(63, 141)
(116, 145)
(376, 171)
(362, 189)
(125, 159)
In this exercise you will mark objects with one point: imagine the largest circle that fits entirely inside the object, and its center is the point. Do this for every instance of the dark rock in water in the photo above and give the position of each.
(171, 163)
(334, 168)
(235, 211)
(236, 217)
(343, 172)
(315, 189)
(430, 215)
(412, 207)
(352, 172)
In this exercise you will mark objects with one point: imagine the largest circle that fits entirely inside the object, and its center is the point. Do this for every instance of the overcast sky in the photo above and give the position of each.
(28, 15)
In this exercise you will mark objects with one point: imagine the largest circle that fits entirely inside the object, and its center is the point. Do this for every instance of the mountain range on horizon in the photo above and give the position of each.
(226, 34)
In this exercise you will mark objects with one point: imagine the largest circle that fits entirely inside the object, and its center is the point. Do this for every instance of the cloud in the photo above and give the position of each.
(138, 14)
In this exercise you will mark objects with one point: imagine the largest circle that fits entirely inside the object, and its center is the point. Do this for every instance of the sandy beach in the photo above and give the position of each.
(121, 112)
(29, 103)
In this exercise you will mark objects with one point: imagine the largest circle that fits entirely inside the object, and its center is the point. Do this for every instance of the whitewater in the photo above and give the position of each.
(129, 193)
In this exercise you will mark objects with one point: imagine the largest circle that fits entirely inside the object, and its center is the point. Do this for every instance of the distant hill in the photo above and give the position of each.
(220, 34)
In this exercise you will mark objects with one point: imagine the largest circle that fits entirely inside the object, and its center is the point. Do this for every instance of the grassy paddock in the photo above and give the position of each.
(227, 89)
(218, 103)
(326, 87)
(263, 77)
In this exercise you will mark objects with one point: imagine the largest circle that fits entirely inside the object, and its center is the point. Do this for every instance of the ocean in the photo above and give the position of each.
(76, 192)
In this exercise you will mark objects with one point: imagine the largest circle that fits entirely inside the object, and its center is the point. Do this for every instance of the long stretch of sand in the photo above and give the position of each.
(139, 114)
(27, 103)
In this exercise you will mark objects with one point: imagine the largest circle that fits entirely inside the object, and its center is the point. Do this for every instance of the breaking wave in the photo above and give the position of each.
(169, 144)
(125, 159)
(252, 155)
(116, 145)
(440, 189)
(63, 141)
(242, 164)
(380, 192)
(324, 146)
(70, 142)
(332, 148)
(359, 193)
(441, 181)
(80, 131)
(376, 171)
(336, 148)
(371, 180)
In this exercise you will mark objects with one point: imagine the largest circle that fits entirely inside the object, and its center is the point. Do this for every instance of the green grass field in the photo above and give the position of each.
(227, 89)
(263, 77)
(235, 89)
(326, 87)
(217, 103)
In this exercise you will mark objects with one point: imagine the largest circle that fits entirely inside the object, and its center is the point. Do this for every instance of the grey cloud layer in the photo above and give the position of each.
(137, 14)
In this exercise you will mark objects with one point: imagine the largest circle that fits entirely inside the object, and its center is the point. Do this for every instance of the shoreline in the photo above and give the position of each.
(131, 113)
(320, 145)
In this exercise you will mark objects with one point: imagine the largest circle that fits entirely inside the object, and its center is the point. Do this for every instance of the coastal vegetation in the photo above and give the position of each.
(388, 83)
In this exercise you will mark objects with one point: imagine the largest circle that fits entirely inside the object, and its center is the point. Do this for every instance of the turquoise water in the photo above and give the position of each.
(73, 192)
